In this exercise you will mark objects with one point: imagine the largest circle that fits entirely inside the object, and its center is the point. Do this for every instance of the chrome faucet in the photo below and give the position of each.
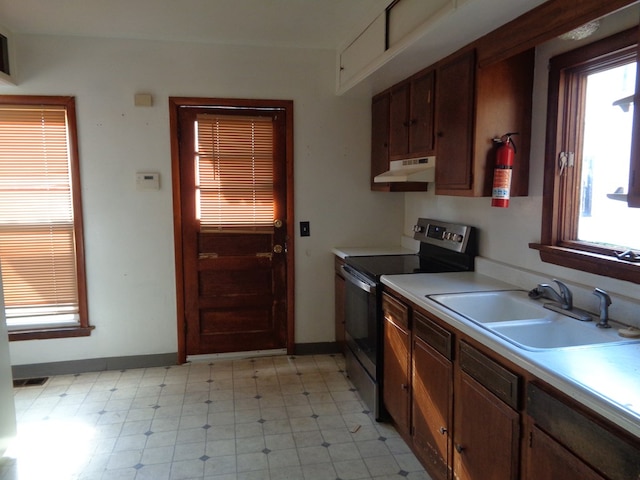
(605, 301)
(544, 290)
(562, 300)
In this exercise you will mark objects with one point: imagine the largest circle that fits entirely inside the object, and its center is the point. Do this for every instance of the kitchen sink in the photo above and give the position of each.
(560, 332)
(512, 315)
(495, 306)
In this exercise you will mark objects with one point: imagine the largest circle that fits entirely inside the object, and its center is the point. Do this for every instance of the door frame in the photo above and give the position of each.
(175, 103)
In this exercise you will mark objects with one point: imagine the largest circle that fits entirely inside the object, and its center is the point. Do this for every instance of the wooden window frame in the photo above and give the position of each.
(558, 244)
(83, 328)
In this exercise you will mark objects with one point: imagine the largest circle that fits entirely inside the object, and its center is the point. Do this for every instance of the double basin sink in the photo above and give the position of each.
(525, 322)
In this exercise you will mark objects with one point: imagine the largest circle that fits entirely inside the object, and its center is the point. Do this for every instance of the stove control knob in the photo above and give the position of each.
(418, 229)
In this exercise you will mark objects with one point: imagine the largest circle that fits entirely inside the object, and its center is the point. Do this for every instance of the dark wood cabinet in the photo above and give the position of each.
(454, 123)
(474, 106)
(548, 460)
(594, 442)
(380, 139)
(486, 434)
(411, 113)
(432, 388)
(396, 391)
(402, 122)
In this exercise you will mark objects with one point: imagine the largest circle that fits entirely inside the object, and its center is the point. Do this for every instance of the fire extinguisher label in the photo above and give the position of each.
(501, 183)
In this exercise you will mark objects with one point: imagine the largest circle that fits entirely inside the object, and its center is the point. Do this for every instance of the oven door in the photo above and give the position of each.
(361, 319)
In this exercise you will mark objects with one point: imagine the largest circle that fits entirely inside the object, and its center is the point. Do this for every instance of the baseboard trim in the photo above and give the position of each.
(94, 365)
(145, 361)
(320, 348)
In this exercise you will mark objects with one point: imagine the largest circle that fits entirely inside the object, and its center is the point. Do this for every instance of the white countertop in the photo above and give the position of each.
(605, 378)
(344, 252)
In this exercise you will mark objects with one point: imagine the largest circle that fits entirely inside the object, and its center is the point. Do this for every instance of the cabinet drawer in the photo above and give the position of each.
(395, 311)
(592, 443)
(493, 376)
(433, 334)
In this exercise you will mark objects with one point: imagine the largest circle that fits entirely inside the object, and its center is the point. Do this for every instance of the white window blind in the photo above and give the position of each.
(234, 172)
(37, 247)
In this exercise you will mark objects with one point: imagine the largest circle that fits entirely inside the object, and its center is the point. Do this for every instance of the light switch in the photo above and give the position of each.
(148, 181)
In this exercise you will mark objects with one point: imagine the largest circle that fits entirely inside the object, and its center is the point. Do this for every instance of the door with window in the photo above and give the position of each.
(232, 206)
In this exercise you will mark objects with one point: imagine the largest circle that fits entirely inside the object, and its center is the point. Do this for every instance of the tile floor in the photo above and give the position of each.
(263, 418)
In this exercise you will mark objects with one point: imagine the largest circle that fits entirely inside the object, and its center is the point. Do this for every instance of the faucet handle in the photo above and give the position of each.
(566, 294)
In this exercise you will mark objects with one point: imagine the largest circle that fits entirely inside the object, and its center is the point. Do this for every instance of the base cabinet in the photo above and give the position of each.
(549, 460)
(396, 361)
(487, 434)
(455, 415)
(432, 383)
(470, 414)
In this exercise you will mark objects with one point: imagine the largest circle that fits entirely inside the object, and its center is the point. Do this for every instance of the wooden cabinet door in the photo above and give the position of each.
(399, 118)
(454, 124)
(548, 460)
(421, 132)
(486, 434)
(432, 383)
(397, 362)
(379, 139)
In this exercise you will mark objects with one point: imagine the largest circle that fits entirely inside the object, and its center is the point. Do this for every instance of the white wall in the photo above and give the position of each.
(129, 234)
(506, 232)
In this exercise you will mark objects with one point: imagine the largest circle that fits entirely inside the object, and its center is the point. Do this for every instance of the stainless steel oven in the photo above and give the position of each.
(444, 247)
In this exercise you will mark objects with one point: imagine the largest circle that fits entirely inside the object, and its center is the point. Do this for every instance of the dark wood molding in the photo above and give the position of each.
(47, 333)
(591, 262)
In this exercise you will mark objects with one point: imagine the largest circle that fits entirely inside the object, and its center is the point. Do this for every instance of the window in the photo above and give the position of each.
(589, 220)
(40, 219)
(234, 185)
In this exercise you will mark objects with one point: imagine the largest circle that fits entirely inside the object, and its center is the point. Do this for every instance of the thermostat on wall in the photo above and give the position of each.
(148, 181)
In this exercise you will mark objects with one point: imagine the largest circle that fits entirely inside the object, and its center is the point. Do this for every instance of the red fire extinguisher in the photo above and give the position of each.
(502, 173)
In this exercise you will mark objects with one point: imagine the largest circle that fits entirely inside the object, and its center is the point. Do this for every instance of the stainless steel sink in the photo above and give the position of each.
(515, 317)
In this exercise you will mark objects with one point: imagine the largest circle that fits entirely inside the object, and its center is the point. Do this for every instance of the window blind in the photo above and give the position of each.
(37, 247)
(234, 170)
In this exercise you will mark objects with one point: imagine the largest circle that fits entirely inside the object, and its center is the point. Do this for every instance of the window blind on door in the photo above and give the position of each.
(234, 172)
(37, 247)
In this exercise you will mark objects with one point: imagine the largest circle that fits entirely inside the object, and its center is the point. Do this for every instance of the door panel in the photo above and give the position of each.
(234, 274)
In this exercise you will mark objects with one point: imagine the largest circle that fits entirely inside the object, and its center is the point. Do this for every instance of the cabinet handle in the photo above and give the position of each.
(440, 134)
(459, 448)
(404, 386)
(443, 430)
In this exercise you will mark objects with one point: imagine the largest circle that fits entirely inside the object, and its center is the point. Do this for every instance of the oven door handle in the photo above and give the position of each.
(362, 285)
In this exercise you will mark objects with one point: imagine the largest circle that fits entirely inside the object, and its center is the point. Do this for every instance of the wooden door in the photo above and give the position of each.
(233, 231)
(548, 460)
(454, 123)
(432, 385)
(421, 128)
(396, 362)
(486, 434)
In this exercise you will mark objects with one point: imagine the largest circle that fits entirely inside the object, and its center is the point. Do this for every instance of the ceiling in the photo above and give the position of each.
(322, 24)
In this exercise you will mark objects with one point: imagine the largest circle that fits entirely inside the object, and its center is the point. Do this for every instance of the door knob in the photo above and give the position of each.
(277, 223)
(277, 249)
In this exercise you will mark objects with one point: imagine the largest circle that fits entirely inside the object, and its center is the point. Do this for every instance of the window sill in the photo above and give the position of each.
(589, 262)
(46, 333)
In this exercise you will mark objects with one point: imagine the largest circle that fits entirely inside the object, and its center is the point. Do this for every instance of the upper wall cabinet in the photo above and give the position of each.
(474, 106)
(411, 109)
(381, 127)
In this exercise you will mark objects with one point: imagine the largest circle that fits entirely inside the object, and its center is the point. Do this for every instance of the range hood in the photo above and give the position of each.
(410, 170)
